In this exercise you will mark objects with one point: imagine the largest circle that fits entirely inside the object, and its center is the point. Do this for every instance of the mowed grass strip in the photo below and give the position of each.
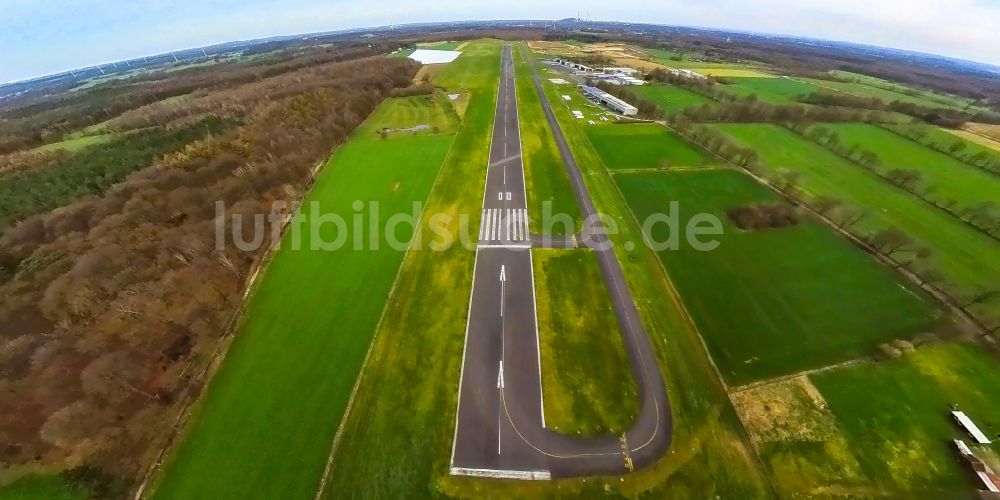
(775, 90)
(546, 180)
(895, 415)
(669, 98)
(644, 145)
(265, 423)
(433, 111)
(943, 178)
(773, 302)
(959, 252)
(586, 376)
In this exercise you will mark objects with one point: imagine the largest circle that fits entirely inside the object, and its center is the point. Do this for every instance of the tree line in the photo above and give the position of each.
(983, 217)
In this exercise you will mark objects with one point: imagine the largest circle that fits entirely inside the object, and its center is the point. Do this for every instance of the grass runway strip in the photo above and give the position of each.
(265, 423)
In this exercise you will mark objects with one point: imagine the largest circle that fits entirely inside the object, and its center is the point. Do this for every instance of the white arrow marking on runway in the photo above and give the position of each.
(503, 278)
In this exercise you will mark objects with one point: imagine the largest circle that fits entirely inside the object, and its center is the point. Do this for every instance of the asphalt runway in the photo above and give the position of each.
(500, 426)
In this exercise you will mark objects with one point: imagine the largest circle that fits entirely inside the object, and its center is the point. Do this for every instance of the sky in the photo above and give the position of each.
(39, 37)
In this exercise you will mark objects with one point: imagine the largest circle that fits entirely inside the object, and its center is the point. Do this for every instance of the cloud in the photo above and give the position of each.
(42, 37)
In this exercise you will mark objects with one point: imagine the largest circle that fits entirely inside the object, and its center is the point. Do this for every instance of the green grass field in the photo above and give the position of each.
(943, 138)
(644, 145)
(926, 97)
(545, 176)
(947, 178)
(433, 111)
(776, 90)
(885, 94)
(768, 302)
(43, 487)
(265, 422)
(895, 416)
(957, 250)
(670, 98)
(440, 45)
(586, 377)
(77, 143)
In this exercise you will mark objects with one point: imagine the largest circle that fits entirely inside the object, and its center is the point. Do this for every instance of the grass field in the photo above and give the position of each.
(886, 95)
(43, 487)
(670, 98)
(928, 98)
(546, 180)
(765, 300)
(440, 45)
(957, 250)
(433, 111)
(586, 376)
(946, 177)
(900, 431)
(990, 144)
(800, 442)
(989, 130)
(943, 137)
(77, 143)
(775, 90)
(265, 422)
(643, 146)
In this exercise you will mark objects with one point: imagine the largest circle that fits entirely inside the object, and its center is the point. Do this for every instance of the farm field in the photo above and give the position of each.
(77, 143)
(765, 300)
(969, 135)
(929, 97)
(886, 95)
(989, 130)
(956, 249)
(294, 381)
(943, 138)
(440, 45)
(586, 377)
(774, 90)
(427, 114)
(668, 58)
(948, 178)
(900, 432)
(670, 98)
(44, 487)
(546, 180)
(644, 145)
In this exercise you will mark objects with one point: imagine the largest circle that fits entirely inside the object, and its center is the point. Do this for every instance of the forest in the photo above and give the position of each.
(115, 294)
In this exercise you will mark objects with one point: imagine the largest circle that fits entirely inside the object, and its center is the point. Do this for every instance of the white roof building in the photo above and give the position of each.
(970, 427)
(609, 100)
(686, 73)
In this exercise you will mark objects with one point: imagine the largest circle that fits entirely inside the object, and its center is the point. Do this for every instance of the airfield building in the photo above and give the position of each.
(597, 95)
(970, 427)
